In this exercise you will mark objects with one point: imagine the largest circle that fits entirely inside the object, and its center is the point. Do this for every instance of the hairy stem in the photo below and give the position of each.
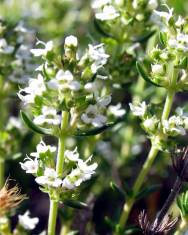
(59, 169)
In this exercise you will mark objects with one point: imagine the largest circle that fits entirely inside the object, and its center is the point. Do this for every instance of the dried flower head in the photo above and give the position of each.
(154, 228)
(10, 197)
(180, 163)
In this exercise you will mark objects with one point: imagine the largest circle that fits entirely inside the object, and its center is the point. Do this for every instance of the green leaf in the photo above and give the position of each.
(29, 123)
(163, 38)
(183, 64)
(116, 188)
(144, 75)
(75, 204)
(96, 131)
(144, 37)
(100, 29)
(148, 190)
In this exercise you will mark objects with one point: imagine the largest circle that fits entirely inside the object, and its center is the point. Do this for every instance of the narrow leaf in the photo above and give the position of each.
(75, 204)
(144, 37)
(100, 29)
(144, 75)
(116, 188)
(32, 125)
(96, 131)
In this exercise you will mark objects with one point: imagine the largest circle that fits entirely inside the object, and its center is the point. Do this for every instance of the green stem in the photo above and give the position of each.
(139, 181)
(182, 227)
(59, 169)
(2, 172)
(153, 151)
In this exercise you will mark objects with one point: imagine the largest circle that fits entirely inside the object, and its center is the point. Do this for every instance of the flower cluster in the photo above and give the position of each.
(154, 126)
(172, 53)
(124, 15)
(70, 82)
(41, 165)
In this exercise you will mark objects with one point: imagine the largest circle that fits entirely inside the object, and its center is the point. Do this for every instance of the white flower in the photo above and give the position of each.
(4, 47)
(48, 116)
(82, 173)
(42, 148)
(50, 178)
(152, 4)
(42, 52)
(116, 110)
(72, 155)
(165, 16)
(36, 88)
(180, 22)
(150, 123)
(93, 87)
(64, 80)
(27, 222)
(98, 56)
(30, 166)
(100, 3)
(157, 69)
(71, 41)
(104, 101)
(138, 110)
(108, 13)
(174, 126)
(180, 42)
(92, 116)
(87, 170)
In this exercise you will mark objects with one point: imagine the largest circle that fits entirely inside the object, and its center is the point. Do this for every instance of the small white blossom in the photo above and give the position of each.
(150, 123)
(50, 178)
(180, 42)
(180, 22)
(27, 222)
(138, 110)
(36, 88)
(98, 56)
(42, 148)
(71, 41)
(92, 116)
(30, 165)
(174, 126)
(72, 155)
(48, 116)
(165, 16)
(157, 69)
(64, 80)
(100, 3)
(104, 101)
(42, 52)
(108, 13)
(152, 4)
(4, 47)
(82, 173)
(116, 110)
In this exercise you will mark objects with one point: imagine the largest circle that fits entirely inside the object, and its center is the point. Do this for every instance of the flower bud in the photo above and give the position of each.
(157, 69)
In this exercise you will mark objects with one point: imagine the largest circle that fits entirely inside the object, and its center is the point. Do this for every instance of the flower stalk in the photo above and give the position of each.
(59, 169)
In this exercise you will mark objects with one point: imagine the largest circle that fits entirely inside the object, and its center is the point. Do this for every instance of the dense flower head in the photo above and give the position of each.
(39, 165)
(73, 84)
(124, 15)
